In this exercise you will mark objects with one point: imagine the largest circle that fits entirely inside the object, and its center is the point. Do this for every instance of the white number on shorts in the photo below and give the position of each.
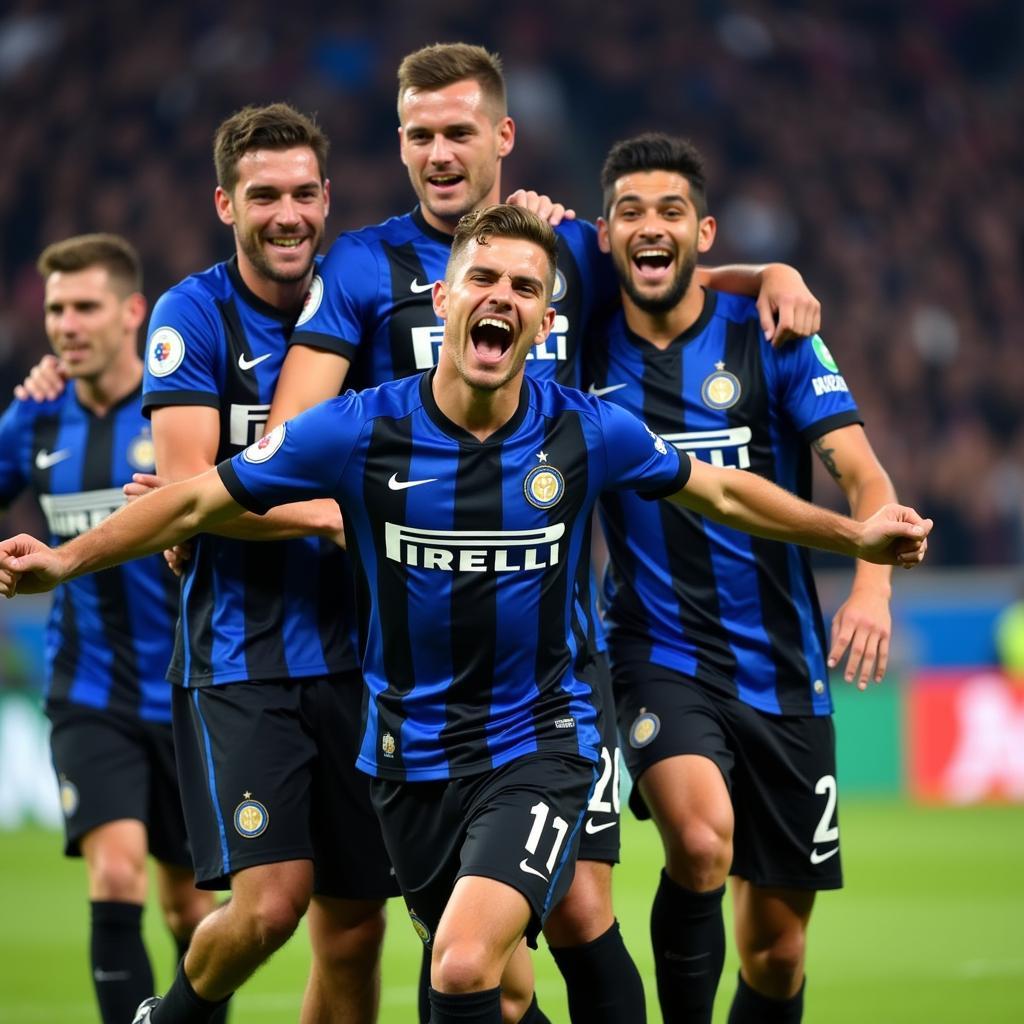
(560, 825)
(826, 832)
(609, 773)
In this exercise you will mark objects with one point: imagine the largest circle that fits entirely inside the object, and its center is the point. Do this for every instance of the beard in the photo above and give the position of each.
(668, 299)
(252, 248)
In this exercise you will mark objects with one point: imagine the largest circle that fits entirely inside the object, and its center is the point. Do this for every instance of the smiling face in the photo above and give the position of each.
(277, 209)
(452, 142)
(494, 302)
(654, 234)
(91, 324)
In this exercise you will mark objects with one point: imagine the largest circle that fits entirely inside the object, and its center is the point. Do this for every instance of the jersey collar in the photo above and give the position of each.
(460, 434)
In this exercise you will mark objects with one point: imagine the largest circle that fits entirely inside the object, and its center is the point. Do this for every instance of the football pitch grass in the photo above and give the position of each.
(930, 928)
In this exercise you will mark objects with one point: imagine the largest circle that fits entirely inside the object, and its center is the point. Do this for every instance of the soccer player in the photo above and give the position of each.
(371, 306)
(720, 660)
(109, 637)
(467, 493)
(267, 695)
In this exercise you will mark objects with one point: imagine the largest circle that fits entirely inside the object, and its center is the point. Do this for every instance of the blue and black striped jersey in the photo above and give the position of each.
(466, 555)
(250, 610)
(737, 613)
(109, 635)
(371, 301)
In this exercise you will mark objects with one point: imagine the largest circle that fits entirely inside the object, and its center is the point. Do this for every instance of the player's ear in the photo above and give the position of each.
(327, 196)
(222, 202)
(440, 299)
(705, 233)
(506, 136)
(602, 235)
(134, 311)
(547, 322)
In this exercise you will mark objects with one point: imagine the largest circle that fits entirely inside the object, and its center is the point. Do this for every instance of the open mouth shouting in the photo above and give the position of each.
(492, 336)
(653, 264)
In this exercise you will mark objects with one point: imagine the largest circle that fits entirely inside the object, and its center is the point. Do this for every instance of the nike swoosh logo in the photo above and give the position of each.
(45, 459)
(400, 485)
(817, 858)
(100, 975)
(523, 866)
(593, 829)
(248, 364)
(598, 392)
(416, 287)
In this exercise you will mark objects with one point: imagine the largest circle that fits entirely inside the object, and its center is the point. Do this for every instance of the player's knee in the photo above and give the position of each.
(777, 968)
(699, 856)
(273, 919)
(514, 1005)
(582, 916)
(463, 966)
(353, 946)
(118, 876)
(183, 910)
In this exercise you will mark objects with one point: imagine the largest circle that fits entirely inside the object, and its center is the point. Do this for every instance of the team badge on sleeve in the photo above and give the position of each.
(823, 354)
(659, 441)
(644, 729)
(166, 351)
(265, 447)
(314, 297)
(721, 389)
(560, 288)
(251, 818)
(544, 485)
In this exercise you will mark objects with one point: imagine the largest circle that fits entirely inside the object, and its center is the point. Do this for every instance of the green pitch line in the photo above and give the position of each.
(928, 929)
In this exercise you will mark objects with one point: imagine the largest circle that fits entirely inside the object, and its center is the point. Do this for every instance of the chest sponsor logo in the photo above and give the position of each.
(45, 459)
(474, 550)
(426, 344)
(728, 447)
(166, 351)
(68, 515)
(829, 384)
(248, 364)
(247, 424)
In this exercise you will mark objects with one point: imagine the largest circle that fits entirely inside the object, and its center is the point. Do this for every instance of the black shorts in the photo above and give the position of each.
(519, 824)
(600, 838)
(268, 775)
(111, 766)
(780, 770)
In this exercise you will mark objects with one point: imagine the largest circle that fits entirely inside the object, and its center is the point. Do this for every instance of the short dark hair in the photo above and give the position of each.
(443, 64)
(276, 126)
(505, 221)
(112, 252)
(655, 151)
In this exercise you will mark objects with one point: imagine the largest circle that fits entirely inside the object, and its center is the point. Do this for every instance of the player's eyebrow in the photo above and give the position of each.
(634, 197)
(518, 280)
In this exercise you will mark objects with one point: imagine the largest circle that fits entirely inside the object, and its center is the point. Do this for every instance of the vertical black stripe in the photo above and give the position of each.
(570, 307)
(780, 615)
(474, 603)
(688, 550)
(408, 309)
(629, 628)
(566, 450)
(391, 445)
(111, 590)
(198, 611)
(240, 387)
(264, 581)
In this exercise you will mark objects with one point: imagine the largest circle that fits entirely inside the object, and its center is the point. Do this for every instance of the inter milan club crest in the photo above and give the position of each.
(420, 927)
(251, 818)
(644, 729)
(544, 485)
(387, 745)
(141, 453)
(722, 389)
(68, 797)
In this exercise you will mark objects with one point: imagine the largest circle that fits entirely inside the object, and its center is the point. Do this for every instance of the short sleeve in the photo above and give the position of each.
(13, 431)
(638, 459)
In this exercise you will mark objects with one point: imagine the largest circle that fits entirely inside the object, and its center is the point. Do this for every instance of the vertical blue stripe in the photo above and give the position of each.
(211, 777)
(564, 859)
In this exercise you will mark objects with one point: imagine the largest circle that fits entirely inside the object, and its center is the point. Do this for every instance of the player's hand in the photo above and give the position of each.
(786, 306)
(544, 206)
(895, 535)
(142, 483)
(45, 381)
(862, 627)
(177, 556)
(28, 566)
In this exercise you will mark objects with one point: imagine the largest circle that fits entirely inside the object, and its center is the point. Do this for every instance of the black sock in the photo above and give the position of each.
(423, 996)
(602, 982)
(182, 1005)
(688, 937)
(466, 1007)
(121, 973)
(534, 1014)
(750, 1007)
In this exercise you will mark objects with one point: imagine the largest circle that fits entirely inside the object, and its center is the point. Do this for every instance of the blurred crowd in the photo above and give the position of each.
(875, 145)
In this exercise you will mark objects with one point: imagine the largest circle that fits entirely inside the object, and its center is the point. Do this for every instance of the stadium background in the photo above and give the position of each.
(876, 146)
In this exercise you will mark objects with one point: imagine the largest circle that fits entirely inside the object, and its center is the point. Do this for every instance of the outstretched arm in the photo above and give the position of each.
(785, 304)
(156, 521)
(894, 535)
